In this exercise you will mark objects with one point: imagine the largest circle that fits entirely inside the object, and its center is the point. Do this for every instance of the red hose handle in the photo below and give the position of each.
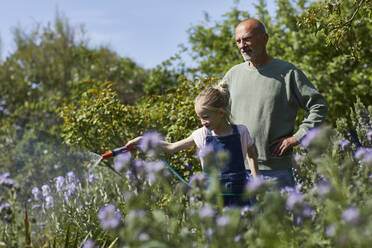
(118, 151)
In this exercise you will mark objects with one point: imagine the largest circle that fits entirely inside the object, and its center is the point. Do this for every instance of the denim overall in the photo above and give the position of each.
(232, 177)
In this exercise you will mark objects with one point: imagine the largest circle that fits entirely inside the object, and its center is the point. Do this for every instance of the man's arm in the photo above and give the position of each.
(308, 98)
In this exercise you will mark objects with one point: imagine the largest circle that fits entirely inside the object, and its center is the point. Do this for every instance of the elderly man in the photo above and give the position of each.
(265, 95)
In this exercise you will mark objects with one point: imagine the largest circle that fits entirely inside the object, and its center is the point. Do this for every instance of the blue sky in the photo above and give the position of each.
(147, 31)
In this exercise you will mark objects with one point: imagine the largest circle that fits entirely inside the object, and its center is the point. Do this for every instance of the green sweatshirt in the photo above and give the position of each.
(266, 100)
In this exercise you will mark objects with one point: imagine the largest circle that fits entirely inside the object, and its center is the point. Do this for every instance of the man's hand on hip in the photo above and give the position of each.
(283, 144)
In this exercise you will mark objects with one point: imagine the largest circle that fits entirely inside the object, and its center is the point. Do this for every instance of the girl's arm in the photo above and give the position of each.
(168, 147)
(252, 160)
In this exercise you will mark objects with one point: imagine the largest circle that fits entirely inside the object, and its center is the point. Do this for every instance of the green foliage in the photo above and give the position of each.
(338, 76)
(100, 122)
(344, 24)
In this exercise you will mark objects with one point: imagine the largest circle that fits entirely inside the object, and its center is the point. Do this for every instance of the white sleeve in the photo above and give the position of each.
(245, 138)
(199, 137)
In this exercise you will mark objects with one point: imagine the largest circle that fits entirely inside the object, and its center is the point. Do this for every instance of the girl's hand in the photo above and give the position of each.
(133, 142)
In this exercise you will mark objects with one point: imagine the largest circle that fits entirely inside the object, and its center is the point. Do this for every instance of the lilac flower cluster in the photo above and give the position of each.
(206, 151)
(89, 244)
(369, 135)
(255, 184)
(149, 142)
(198, 180)
(154, 169)
(109, 216)
(364, 154)
(343, 144)
(296, 203)
(122, 161)
(223, 221)
(43, 195)
(206, 212)
(92, 178)
(139, 171)
(64, 186)
(351, 215)
(8, 182)
(310, 137)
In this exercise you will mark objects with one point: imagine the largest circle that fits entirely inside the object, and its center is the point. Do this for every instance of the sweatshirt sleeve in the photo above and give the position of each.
(308, 98)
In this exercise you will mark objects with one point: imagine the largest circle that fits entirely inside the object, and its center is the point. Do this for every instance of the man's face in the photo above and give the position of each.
(250, 42)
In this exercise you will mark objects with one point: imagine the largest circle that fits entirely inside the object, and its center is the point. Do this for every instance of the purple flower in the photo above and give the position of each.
(150, 141)
(45, 190)
(143, 236)
(255, 183)
(351, 215)
(310, 136)
(237, 238)
(139, 166)
(35, 206)
(188, 166)
(122, 160)
(364, 154)
(89, 244)
(308, 212)
(36, 192)
(297, 157)
(369, 135)
(323, 187)
(343, 144)
(4, 177)
(92, 178)
(59, 183)
(7, 182)
(205, 151)
(209, 231)
(71, 178)
(206, 212)
(294, 199)
(109, 216)
(49, 202)
(223, 221)
(197, 179)
(155, 166)
(71, 190)
(330, 231)
(152, 169)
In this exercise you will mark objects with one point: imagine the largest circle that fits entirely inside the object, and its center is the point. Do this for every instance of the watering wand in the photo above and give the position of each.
(117, 151)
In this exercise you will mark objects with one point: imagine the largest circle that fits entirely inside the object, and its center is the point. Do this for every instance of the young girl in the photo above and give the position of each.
(212, 108)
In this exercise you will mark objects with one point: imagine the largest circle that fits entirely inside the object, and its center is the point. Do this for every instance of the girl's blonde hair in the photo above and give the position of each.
(215, 98)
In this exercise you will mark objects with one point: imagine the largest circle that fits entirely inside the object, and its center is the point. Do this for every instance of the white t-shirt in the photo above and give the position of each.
(200, 135)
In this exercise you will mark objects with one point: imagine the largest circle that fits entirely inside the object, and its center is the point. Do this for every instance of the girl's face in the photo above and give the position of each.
(213, 120)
